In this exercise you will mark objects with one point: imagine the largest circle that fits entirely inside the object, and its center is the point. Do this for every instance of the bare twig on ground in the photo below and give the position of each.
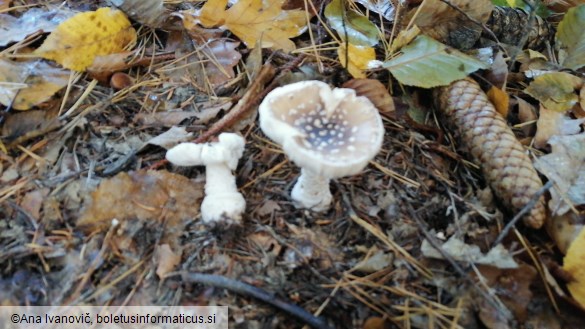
(248, 290)
(519, 215)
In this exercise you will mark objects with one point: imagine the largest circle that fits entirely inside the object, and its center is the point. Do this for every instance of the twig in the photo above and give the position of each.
(522, 212)
(248, 290)
(244, 105)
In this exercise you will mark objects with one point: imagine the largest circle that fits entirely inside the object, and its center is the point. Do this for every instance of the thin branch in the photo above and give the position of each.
(248, 290)
(522, 212)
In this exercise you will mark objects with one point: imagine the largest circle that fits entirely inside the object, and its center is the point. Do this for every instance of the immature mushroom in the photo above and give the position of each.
(328, 133)
(222, 200)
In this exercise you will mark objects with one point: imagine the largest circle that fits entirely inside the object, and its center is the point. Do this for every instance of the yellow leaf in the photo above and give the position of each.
(252, 20)
(213, 13)
(77, 41)
(574, 263)
(359, 57)
(500, 99)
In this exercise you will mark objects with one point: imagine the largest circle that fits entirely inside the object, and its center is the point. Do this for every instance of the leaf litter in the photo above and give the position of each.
(89, 205)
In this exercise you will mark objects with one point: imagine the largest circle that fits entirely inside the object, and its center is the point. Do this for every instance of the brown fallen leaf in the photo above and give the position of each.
(166, 259)
(221, 58)
(375, 91)
(143, 196)
(512, 286)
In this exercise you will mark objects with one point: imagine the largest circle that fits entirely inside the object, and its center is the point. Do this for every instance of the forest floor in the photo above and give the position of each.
(91, 214)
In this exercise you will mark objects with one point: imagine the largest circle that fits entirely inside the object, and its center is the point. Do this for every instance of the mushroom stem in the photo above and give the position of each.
(312, 191)
(222, 199)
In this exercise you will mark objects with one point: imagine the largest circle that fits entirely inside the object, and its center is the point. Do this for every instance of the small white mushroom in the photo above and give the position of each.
(329, 133)
(222, 200)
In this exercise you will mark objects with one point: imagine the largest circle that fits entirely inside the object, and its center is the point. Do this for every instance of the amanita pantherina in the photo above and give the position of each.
(222, 200)
(329, 133)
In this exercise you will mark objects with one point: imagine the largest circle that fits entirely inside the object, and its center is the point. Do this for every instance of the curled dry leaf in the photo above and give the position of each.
(33, 20)
(493, 146)
(77, 41)
(29, 83)
(375, 91)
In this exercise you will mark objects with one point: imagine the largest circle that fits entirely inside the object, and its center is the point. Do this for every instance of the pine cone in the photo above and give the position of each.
(493, 146)
(509, 26)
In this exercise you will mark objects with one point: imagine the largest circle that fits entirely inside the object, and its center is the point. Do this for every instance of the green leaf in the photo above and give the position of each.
(428, 63)
(359, 30)
(556, 90)
(572, 39)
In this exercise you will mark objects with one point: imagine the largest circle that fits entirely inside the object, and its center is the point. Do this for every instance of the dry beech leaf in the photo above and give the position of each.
(253, 20)
(551, 123)
(565, 166)
(26, 84)
(77, 41)
(16, 29)
(375, 91)
(147, 12)
(574, 263)
(359, 58)
(500, 99)
(166, 259)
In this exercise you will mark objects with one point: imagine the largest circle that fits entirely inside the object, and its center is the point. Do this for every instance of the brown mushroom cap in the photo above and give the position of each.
(332, 133)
